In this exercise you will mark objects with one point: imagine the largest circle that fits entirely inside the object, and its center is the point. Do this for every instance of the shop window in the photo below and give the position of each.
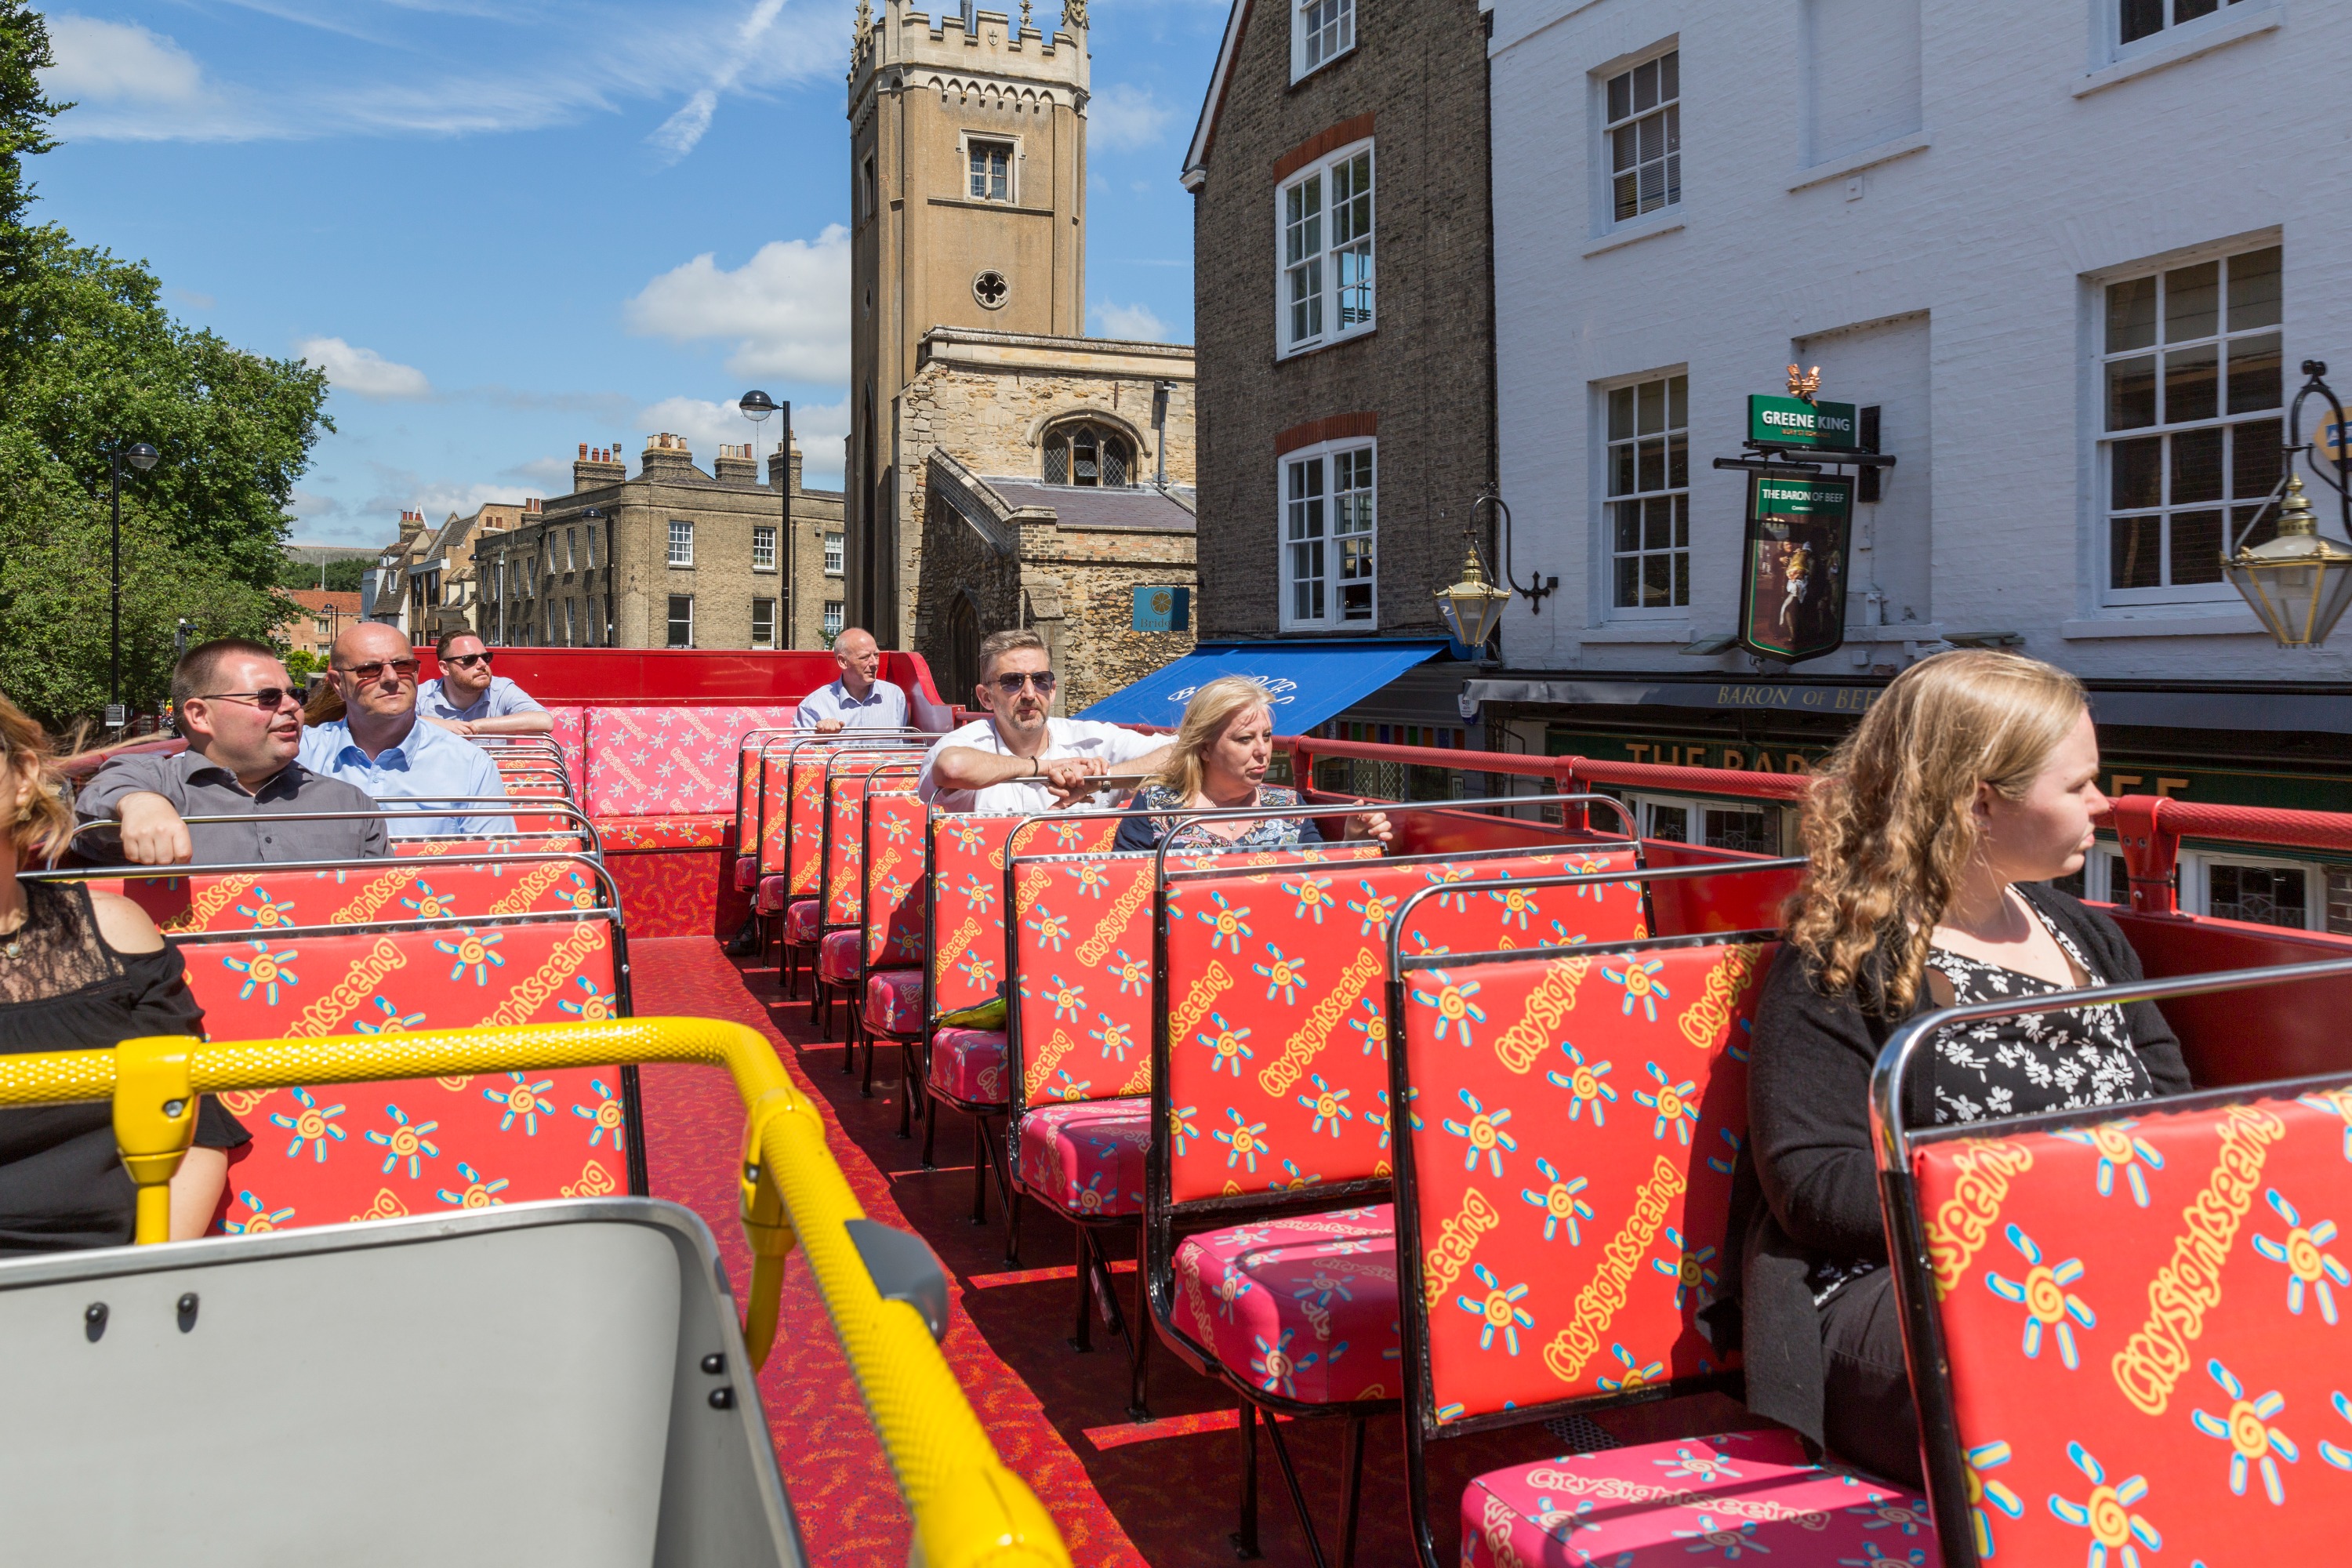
(2266, 895)
(1085, 453)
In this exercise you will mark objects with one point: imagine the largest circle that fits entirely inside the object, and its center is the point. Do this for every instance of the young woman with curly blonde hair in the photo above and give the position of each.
(1933, 831)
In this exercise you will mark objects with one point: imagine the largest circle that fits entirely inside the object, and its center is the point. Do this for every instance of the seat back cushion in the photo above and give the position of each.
(330, 1153)
(408, 890)
(1579, 1115)
(967, 893)
(669, 761)
(1081, 963)
(845, 829)
(1500, 916)
(2144, 1324)
(519, 844)
(1278, 1037)
(895, 872)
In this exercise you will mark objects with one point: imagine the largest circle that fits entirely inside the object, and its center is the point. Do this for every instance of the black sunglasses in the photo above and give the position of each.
(467, 660)
(403, 668)
(267, 696)
(1042, 679)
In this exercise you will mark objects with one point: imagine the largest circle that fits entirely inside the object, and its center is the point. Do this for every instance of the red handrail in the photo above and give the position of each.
(1571, 775)
(2151, 828)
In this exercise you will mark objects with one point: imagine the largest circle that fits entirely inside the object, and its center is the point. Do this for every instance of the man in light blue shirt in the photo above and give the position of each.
(381, 746)
(858, 701)
(467, 699)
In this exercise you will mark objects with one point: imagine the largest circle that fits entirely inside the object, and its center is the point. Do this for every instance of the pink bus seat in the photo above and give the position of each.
(669, 761)
(367, 893)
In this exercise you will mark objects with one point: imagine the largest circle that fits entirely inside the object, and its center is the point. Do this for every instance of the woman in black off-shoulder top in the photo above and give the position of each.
(80, 969)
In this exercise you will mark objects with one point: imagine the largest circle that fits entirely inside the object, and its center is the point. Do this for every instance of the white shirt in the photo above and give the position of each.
(1108, 744)
(497, 699)
(885, 708)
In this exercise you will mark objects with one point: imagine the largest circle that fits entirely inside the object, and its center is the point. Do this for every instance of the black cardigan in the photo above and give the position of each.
(1808, 1188)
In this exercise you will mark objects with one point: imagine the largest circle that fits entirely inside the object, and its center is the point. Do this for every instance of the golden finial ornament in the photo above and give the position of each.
(1803, 383)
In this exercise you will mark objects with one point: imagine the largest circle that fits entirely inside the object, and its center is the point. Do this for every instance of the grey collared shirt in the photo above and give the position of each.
(197, 787)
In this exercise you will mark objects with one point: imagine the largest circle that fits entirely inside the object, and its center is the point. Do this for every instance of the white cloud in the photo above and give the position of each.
(191, 298)
(817, 430)
(678, 133)
(1122, 118)
(109, 61)
(786, 310)
(1136, 323)
(364, 372)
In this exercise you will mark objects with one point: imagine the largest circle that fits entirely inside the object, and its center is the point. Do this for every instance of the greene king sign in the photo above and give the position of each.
(1793, 422)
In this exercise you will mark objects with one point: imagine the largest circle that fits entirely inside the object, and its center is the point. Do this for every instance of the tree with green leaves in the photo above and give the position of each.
(90, 362)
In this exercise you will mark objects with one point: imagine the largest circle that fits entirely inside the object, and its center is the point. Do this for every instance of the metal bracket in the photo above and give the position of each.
(904, 1269)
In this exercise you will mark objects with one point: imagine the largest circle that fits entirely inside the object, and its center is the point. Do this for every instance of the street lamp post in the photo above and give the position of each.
(756, 405)
(140, 457)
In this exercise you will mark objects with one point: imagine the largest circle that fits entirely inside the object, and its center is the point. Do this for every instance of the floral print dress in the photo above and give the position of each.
(1267, 833)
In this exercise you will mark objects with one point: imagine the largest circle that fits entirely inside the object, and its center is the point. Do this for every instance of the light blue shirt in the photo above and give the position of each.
(431, 764)
(504, 696)
(885, 708)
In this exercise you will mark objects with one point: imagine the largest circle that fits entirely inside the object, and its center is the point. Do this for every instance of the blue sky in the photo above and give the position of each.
(508, 227)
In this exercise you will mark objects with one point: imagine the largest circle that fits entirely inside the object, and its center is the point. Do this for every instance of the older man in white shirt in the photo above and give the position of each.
(859, 700)
(1018, 759)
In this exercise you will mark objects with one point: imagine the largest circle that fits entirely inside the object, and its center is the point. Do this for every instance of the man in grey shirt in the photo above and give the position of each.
(467, 699)
(243, 716)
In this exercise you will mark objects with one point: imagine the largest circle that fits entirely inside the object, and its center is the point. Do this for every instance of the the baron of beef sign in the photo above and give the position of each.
(1793, 598)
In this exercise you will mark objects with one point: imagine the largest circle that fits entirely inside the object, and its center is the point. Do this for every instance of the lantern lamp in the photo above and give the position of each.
(1472, 606)
(2299, 582)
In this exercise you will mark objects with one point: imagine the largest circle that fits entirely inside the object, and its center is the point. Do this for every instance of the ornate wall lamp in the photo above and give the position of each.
(2299, 582)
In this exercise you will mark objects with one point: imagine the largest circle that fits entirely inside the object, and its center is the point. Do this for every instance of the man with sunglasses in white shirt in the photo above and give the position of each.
(470, 700)
(1019, 759)
(242, 714)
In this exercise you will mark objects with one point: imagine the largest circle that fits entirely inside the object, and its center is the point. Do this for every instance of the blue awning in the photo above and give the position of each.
(1307, 682)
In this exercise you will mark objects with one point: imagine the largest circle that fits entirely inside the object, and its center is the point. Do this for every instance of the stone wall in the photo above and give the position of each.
(1419, 73)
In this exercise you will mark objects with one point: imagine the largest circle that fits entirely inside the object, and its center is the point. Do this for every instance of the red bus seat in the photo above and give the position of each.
(347, 1152)
(963, 912)
(850, 773)
(367, 893)
(1271, 1080)
(2125, 1331)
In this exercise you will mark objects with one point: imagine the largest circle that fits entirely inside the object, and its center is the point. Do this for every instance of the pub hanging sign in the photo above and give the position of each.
(1799, 544)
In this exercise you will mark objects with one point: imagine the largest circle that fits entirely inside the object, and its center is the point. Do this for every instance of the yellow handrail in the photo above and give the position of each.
(968, 1510)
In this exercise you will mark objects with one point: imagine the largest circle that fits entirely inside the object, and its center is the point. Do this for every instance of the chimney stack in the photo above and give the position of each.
(736, 466)
(776, 468)
(666, 457)
(595, 469)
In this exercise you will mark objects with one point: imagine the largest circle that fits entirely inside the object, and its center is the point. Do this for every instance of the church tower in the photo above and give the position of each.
(968, 163)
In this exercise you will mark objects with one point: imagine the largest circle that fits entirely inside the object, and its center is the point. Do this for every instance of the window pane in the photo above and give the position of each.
(1677, 402)
(1682, 576)
(2131, 315)
(1750, 831)
(1620, 469)
(2131, 392)
(2197, 465)
(2192, 383)
(1625, 145)
(1621, 414)
(2189, 10)
(1653, 406)
(1657, 581)
(2196, 547)
(1671, 823)
(2253, 525)
(2253, 458)
(1058, 462)
(2141, 19)
(2192, 302)
(2135, 553)
(2254, 290)
(1653, 137)
(1620, 96)
(1677, 461)
(1653, 469)
(2267, 895)
(1629, 579)
(1627, 200)
(1646, 86)
(2137, 474)
(1670, 76)
(1658, 523)
(2255, 374)
(1682, 522)
(1629, 526)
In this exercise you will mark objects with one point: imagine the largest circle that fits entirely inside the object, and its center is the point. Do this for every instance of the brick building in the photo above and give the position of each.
(1347, 427)
(1005, 470)
(425, 582)
(325, 612)
(673, 558)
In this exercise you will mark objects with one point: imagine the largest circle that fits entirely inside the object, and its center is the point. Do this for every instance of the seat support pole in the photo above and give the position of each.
(1245, 1540)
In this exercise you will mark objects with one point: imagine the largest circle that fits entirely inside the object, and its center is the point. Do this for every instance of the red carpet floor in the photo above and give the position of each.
(1165, 1495)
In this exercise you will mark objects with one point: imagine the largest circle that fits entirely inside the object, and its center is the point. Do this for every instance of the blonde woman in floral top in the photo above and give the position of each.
(1218, 763)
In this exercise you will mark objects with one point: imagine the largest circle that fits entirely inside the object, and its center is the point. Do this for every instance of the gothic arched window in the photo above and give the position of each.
(963, 650)
(1088, 454)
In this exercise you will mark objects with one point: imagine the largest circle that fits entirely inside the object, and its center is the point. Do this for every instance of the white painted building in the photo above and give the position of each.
(2064, 248)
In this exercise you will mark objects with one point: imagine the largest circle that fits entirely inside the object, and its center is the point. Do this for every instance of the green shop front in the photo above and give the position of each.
(2267, 745)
